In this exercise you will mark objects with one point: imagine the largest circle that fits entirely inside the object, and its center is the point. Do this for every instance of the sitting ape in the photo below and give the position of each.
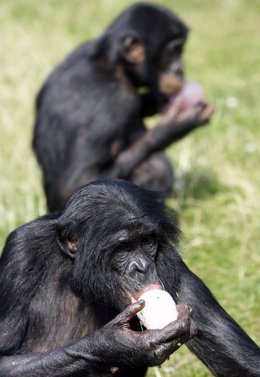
(65, 276)
(89, 113)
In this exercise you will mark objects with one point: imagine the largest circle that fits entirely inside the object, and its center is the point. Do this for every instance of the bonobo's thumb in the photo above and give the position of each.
(124, 317)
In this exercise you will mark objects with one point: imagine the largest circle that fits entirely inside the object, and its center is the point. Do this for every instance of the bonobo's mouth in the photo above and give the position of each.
(149, 287)
(159, 309)
(189, 95)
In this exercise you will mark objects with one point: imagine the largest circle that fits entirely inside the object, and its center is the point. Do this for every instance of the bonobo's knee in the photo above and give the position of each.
(156, 173)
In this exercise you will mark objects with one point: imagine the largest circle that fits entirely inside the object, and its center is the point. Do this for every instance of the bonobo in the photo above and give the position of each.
(90, 111)
(65, 276)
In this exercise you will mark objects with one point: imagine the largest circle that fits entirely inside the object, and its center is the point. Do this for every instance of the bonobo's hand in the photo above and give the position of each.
(126, 347)
(189, 105)
(198, 114)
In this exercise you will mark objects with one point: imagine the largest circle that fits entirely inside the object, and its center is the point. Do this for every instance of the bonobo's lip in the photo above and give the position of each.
(145, 289)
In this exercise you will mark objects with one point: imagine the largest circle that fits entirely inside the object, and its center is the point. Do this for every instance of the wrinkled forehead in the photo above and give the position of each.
(135, 227)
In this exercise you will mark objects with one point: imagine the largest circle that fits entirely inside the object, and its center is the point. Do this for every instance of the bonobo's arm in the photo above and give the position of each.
(149, 104)
(220, 343)
(166, 132)
(114, 345)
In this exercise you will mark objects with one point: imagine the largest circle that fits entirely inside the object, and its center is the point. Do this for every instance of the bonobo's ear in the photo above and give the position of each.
(132, 49)
(68, 245)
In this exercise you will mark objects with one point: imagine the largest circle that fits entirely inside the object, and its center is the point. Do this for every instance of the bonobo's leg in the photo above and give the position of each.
(155, 173)
(168, 130)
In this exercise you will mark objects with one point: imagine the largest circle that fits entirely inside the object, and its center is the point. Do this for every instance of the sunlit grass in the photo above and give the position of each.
(218, 182)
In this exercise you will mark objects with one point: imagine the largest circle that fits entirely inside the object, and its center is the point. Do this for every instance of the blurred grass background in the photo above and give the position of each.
(218, 188)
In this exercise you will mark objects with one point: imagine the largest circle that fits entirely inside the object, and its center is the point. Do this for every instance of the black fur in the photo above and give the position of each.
(89, 113)
(53, 303)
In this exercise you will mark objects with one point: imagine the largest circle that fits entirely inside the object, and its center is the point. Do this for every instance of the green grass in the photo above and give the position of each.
(218, 192)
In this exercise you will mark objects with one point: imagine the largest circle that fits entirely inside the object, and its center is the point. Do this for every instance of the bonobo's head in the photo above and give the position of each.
(117, 238)
(148, 40)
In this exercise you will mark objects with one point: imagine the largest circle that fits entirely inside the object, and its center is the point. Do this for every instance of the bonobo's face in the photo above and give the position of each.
(160, 69)
(133, 261)
(115, 233)
(151, 40)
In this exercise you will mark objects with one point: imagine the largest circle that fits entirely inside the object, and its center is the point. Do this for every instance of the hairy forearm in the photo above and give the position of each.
(151, 142)
(75, 360)
(221, 344)
(149, 104)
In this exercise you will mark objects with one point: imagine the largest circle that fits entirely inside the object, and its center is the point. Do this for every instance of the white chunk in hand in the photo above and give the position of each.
(159, 311)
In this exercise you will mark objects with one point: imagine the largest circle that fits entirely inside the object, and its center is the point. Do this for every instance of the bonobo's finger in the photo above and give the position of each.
(201, 113)
(207, 113)
(176, 343)
(165, 348)
(199, 108)
(175, 329)
(129, 312)
(191, 113)
(184, 311)
(193, 328)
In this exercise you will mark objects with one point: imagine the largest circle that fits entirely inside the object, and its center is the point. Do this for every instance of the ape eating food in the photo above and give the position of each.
(90, 111)
(64, 276)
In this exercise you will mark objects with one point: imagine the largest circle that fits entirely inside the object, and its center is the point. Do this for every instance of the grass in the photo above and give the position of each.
(218, 191)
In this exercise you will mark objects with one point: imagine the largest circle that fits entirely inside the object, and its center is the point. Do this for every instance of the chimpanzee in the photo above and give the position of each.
(63, 278)
(89, 113)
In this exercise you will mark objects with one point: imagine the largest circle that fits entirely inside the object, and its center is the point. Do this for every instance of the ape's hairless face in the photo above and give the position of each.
(133, 261)
(124, 251)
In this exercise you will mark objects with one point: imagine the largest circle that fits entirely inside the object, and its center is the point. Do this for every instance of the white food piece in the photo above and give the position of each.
(159, 311)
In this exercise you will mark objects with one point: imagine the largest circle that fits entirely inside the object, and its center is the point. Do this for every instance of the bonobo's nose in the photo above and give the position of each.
(142, 269)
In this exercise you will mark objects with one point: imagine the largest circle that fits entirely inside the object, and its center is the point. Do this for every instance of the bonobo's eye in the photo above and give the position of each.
(149, 242)
(172, 50)
(175, 46)
(124, 246)
(122, 253)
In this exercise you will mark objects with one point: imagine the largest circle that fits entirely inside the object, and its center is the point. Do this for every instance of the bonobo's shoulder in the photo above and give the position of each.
(79, 68)
(29, 233)
(83, 51)
(74, 63)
